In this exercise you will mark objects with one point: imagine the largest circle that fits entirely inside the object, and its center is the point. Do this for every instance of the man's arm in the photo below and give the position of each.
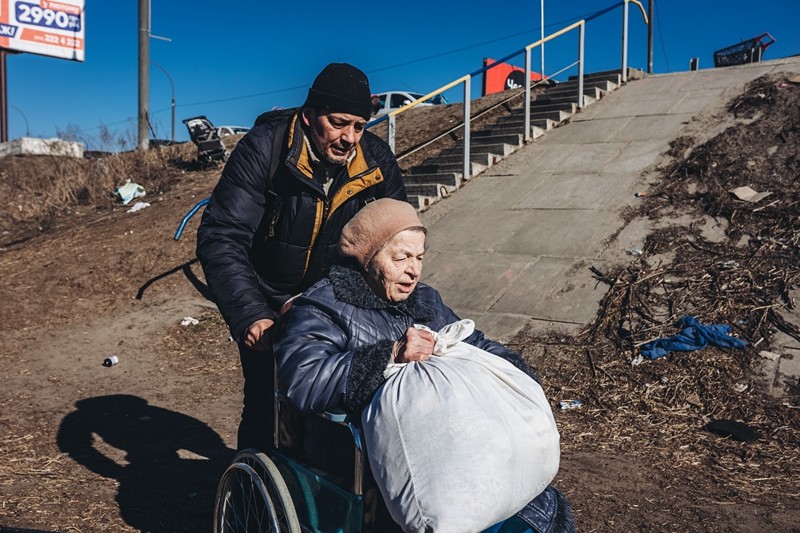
(226, 234)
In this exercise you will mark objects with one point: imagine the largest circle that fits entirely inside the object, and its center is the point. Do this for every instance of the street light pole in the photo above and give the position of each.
(172, 88)
(27, 128)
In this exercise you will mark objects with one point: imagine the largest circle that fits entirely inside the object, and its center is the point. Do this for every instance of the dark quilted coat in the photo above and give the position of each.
(258, 249)
(338, 340)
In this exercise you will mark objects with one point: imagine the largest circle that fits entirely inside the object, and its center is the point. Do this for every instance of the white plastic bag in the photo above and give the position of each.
(460, 442)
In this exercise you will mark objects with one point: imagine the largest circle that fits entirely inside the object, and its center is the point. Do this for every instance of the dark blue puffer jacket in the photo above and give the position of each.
(258, 249)
(337, 341)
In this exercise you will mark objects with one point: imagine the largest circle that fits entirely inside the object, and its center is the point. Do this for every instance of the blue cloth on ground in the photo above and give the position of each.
(693, 337)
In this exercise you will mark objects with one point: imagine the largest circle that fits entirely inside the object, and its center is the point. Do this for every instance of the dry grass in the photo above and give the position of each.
(36, 190)
(748, 279)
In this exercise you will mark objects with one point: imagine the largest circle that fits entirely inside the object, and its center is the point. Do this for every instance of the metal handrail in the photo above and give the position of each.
(392, 116)
(625, 35)
(489, 109)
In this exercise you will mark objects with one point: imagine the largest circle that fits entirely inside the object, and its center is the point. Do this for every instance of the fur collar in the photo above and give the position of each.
(350, 287)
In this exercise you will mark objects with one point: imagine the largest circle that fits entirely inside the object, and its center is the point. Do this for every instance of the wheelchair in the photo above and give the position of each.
(277, 491)
(274, 491)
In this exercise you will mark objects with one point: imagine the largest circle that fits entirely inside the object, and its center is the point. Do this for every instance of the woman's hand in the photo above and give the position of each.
(416, 345)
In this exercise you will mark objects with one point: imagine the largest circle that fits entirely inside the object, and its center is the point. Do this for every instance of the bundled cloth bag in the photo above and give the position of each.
(460, 442)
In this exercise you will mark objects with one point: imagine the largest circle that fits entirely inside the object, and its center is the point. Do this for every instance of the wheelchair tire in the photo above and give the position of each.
(252, 497)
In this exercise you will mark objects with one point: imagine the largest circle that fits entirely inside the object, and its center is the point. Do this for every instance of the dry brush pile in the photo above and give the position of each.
(747, 280)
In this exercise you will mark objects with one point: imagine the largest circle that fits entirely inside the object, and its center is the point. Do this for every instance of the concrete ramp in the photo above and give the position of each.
(512, 248)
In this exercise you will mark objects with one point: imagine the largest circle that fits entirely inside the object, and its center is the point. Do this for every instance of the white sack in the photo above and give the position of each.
(460, 442)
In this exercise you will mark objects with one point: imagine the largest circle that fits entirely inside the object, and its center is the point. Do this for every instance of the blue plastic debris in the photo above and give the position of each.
(693, 337)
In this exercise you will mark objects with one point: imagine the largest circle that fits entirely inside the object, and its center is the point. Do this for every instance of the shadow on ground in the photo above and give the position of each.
(166, 463)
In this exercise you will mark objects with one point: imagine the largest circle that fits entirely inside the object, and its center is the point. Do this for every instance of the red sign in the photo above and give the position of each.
(503, 76)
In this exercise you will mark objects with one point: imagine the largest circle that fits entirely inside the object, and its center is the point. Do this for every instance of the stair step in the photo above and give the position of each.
(567, 107)
(458, 168)
(614, 76)
(572, 92)
(483, 159)
(565, 99)
(519, 121)
(451, 180)
(603, 85)
(504, 129)
(431, 190)
(513, 139)
(501, 150)
(420, 202)
(555, 116)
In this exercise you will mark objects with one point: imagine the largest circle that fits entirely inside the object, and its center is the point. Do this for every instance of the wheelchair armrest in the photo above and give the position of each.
(339, 418)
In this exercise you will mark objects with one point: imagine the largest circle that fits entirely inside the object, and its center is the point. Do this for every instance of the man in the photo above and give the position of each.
(272, 226)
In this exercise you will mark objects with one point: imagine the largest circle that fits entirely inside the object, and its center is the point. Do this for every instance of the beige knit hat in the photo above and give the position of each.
(375, 225)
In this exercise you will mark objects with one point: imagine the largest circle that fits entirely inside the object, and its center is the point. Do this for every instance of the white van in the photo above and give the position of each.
(389, 101)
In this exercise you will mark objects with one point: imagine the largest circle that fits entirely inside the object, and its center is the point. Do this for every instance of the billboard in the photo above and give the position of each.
(48, 27)
(503, 76)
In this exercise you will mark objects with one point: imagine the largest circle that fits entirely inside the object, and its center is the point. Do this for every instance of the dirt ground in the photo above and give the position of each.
(140, 445)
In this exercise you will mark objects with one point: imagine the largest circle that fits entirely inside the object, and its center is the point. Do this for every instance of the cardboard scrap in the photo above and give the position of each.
(772, 356)
(749, 195)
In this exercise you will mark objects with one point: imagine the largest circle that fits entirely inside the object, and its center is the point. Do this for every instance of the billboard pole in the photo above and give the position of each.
(3, 98)
(144, 74)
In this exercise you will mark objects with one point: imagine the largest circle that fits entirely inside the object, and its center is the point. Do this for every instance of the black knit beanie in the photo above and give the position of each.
(341, 88)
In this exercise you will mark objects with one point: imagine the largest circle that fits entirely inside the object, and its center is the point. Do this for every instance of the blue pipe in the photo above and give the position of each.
(189, 215)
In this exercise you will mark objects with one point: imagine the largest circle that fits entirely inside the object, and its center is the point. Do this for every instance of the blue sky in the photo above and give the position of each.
(233, 60)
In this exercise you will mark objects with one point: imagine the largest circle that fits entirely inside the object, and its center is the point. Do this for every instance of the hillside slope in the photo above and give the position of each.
(139, 446)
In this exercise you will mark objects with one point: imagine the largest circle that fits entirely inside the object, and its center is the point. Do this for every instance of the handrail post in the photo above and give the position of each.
(467, 112)
(625, 42)
(581, 40)
(528, 135)
(390, 134)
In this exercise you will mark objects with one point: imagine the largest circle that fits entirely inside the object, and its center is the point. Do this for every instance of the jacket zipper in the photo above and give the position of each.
(275, 216)
(326, 204)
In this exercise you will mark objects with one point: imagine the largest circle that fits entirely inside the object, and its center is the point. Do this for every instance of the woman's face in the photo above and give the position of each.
(395, 270)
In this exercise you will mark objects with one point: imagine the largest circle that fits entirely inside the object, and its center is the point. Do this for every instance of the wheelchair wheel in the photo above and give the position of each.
(253, 498)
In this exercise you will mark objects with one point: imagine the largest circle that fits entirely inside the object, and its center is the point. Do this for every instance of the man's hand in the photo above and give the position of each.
(257, 338)
(416, 345)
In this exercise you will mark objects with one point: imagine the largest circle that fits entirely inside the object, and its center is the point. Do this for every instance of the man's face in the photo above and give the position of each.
(334, 135)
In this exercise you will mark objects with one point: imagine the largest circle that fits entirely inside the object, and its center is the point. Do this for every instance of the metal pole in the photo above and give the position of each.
(541, 32)
(625, 42)
(172, 88)
(390, 132)
(528, 134)
(144, 74)
(581, 40)
(650, 13)
(467, 112)
(3, 98)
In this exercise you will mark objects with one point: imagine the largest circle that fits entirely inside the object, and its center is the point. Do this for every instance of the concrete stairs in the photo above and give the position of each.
(440, 175)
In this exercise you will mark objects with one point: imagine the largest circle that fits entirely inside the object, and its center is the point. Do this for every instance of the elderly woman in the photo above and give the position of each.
(342, 333)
